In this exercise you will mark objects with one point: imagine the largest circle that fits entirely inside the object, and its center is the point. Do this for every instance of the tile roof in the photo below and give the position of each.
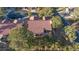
(38, 26)
(5, 32)
(4, 29)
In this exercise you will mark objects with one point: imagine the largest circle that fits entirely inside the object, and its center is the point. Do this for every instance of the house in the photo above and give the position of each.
(76, 24)
(5, 28)
(39, 27)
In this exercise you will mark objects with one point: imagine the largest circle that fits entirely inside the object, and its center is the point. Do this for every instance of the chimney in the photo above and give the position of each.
(44, 18)
(50, 22)
(15, 21)
(31, 18)
(34, 18)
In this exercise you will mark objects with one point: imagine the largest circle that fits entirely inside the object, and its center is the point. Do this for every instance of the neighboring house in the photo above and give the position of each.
(69, 17)
(76, 24)
(39, 27)
(67, 13)
(6, 27)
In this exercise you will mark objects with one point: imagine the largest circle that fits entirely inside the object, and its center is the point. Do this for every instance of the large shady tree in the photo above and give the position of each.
(20, 39)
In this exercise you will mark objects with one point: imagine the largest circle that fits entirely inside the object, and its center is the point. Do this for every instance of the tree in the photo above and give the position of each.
(1, 12)
(70, 33)
(43, 42)
(47, 11)
(15, 15)
(56, 22)
(20, 39)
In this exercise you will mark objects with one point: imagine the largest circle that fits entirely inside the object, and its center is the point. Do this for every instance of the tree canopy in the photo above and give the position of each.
(44, 11)
(70, 33)
(20, 39)
(56, 22)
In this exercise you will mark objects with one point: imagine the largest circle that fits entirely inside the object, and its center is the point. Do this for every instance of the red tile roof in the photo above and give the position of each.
(38, 26)
(4, 29)
(5, 32)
